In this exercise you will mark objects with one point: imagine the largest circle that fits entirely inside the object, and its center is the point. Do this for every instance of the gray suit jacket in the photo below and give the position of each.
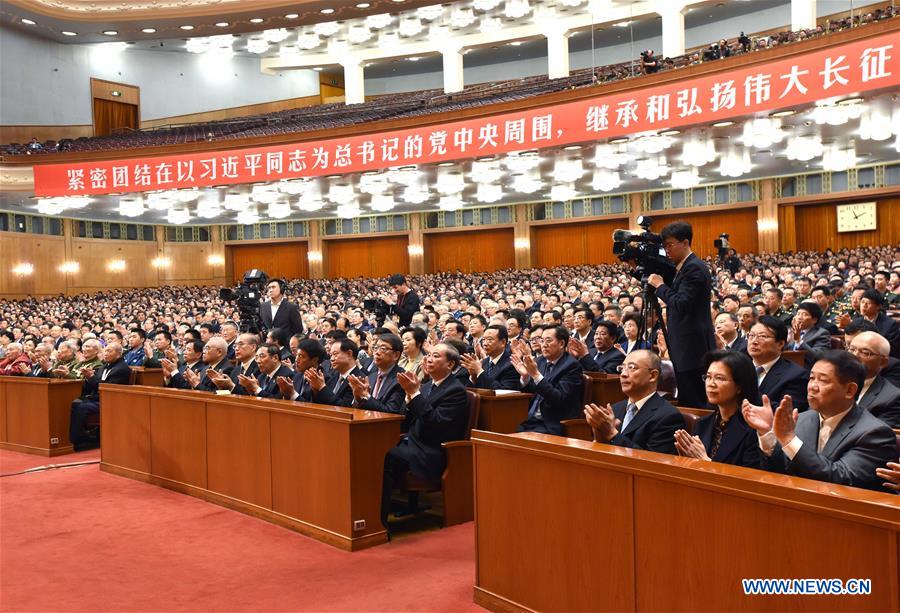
(860, 444)
(883, 401)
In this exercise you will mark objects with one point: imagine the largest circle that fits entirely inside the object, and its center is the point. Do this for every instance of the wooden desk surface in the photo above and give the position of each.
(312, 468)
(569, 525)
(34, 414)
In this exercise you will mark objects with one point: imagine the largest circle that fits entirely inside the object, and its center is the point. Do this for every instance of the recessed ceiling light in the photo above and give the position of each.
(668, 133)
(256, 20)
(398, 1)
(68, 33)
(572, 148)
(148, 30)
(445, 164)
(787, 113)
(110, 32)
(413, 58)
(187, 27)
(29, 22)
(291, 16)
(515, 43)
(618, 141)
(850, 101)
(222, 24)
(723, 124)
(318, 69)
(327, 11)
(363, 5)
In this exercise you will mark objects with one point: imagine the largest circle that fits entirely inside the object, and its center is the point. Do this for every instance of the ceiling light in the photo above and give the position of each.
(520, 162)
(414, 58)
(490, 24)
(222, 24)
(804, 148)
(68, 33)
(318, 69)
(516, 9)
(348, 211)
(605, 180)
(187, 27)
(294, 187)
(196, 45)
(69, 267)
(685, 179)
(406, 175)
(651, 168)
(148, 30)
(398, 1)
(308, 40)
(450, 182)
(327, 11)
(158, 201)
(735, 162)
(780, 114)
(341, 193)
(276, 35)
(461, 17)
(178, 216)
(376, 22)
(515, 43)
(485, 171)
(326, 28)
(567, 171)
(485, 5)
(836, 114)
(619, 141)
(115, 265)
(723, 124)
(527, 183)
(382, 203)
(358, 33)
(235, 202)
(698, 150)
(110, 32)
(161, 262)
(762, 132)
(430, 13)
(563, 192)
(622, 24)
(488, 192)
(610, 156)
(23, 269)
(363, 5)
(372, 183)
(257, 45)
(878, 122)
(450, 203)
(669, 133)
(186, 195)
(410, 26)
(248, 216)
(29, 22)
(291, 16)
(279, 209)
(310, 204)
(652, 143)
(131, 207)
(836, 159)
(257, 20)
(572, 148)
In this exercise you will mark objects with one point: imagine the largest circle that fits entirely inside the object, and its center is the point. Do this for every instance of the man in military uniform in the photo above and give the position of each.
(772, 300)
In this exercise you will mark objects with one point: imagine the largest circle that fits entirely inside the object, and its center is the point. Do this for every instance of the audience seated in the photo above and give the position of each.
(336, 390)
(496, 370)
(380, 390)
(724, 436)
(644, 420)
(777, 376)
(310, 355)
(114, 370)
(16, 363)
(604, 356)
(877, 396)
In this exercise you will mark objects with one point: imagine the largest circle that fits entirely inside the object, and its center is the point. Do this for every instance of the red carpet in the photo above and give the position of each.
(77, 539)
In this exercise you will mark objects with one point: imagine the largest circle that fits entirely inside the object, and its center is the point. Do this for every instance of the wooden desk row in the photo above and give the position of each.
(34, 414)
(569, 525)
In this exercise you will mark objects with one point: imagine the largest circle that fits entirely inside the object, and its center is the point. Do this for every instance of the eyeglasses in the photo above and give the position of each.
(761, 337)
(630, 367)
(381, 348)
(863, 353)
(719, 379)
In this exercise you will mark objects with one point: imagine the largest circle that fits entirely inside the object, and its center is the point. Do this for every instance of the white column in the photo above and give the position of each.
(453, 69)
(672, 32)
(803, 14)
(557, 55)
(354, 81)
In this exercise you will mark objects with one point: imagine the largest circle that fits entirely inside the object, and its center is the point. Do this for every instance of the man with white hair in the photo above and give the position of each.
(65, 360)
(16, 363)
(215, 356)
(878, 396)
(40, 361)
(114, 370)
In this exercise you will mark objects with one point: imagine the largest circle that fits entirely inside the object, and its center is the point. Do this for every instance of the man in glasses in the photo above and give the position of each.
(777, 376)
(688, 317)
(644, 420)
(877, 395)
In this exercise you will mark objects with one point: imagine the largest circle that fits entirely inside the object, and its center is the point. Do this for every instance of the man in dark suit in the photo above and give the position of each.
(689, 322)
(603, 356)
(310, 355)
(381, 391)
(438, 412)
(40, 361)
(808, 335)
(403, 301)
(230, 334)
(245, 357)
(556, 381)
(584, 326)
(265, 384)
(214, 356)
(777, 376)
(115, 371)
(173, 375)
(336, 391)
(728, 334)
(278, 312)
(890, 371)
(870, 308)
(644, 420)
(494, 372)
(877, 396)
(837, 441)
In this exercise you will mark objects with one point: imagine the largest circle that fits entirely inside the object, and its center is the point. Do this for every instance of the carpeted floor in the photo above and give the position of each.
(76, 539)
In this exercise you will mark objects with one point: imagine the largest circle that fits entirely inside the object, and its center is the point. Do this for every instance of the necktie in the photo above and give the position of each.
(760, 373)
(337, 385)
(489, 369)
(263, 381)
(824, 434)
(378, 381)
(629, 415)
(549, 368)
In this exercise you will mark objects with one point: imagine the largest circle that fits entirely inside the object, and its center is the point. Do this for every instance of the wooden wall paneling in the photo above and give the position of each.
(24, 134)
(585, 242)
(787, 228)
(125, 430)
(45, 253)
(366, 257)
(238, 458)
(475, 251)
(816, 226)
(178, 438)
(278, 259)
(233, 112)
(740, 224)
(189, 265)
(94, 256)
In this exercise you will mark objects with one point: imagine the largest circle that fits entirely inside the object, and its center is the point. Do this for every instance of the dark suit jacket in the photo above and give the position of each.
(287, 318)
(891, 372)
(119, 374)
(652, 429)
(269, 385)
(559, 396)
(739, 444)
(589, 341)
(37, 371)
(252, 370)
(437, 415)
(344, 395)
(816, 341)
(632, 346)
(390, 399)
(786, 379)
(178, 380)
(860, 444)
(739, 344)
(206, 383)
(503, 375)
(689, 323)
(405, 307)
(602, 362)
(889, 329)
(304, 391)
(229, 355)
(883, 401)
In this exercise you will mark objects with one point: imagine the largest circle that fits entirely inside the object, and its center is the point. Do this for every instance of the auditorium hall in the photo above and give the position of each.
(408, 305)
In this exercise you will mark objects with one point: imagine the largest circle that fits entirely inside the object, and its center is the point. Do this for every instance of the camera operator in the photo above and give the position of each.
(649, 63)
(403, 301)
(732, 262)
(689, 323)
(277, 312)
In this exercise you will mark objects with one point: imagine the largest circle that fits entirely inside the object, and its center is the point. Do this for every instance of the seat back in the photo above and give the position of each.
(474, 405)
(601, 388)
(691, 416)
(837, 342)
(797, 357)
(133, 378)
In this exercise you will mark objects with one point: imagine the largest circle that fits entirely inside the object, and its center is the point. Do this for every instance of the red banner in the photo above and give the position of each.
(840, 71)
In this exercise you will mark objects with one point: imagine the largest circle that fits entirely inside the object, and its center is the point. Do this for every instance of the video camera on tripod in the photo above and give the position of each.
(247, 297)
(721, 244)
(645, 249)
